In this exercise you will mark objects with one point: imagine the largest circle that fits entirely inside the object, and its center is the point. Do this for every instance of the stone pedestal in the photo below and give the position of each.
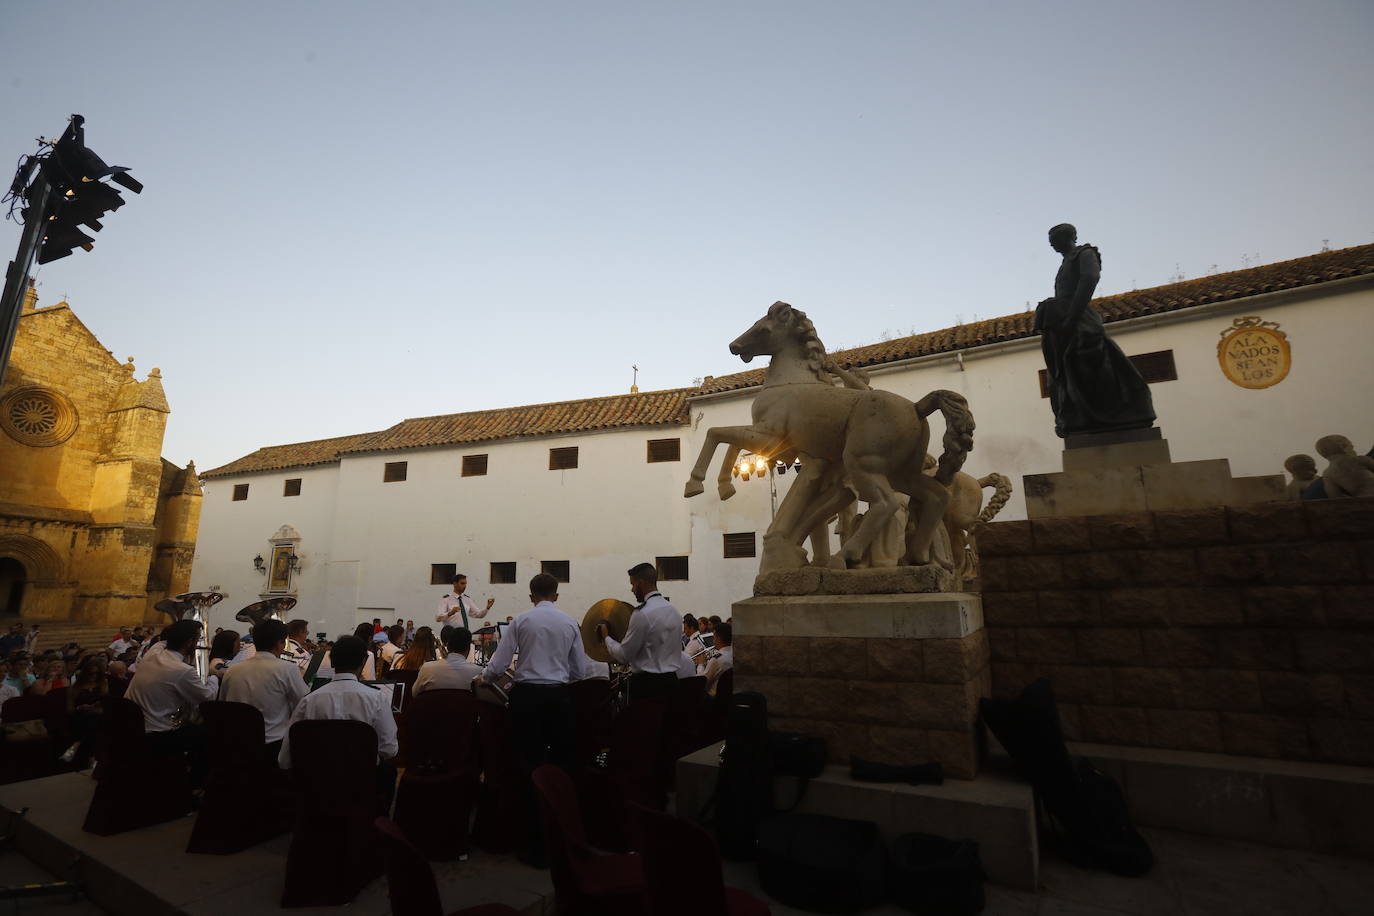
(1132, 471)
(889, 677)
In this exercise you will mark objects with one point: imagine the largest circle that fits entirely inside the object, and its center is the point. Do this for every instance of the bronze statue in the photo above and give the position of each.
(1093, 387)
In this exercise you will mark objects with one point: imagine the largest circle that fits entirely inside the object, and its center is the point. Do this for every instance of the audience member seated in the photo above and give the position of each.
(167, 689)
(722, 662)
(122, 643)
(117, 673)
(223, 649)
(344, 697)
(52, 676)
(90, 685)
(268, 682)
(20, 675)
(454, 672)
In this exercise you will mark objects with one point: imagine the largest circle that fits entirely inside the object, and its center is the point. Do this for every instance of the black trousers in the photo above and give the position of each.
(646, 686)
(544, 730)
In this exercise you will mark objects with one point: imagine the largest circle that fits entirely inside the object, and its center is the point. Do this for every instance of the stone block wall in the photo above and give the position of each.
(1241, 630)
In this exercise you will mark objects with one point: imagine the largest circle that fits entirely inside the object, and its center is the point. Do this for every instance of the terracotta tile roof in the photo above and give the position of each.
(1238, 284)
(659, 408)
(649, 408)
(295, 455)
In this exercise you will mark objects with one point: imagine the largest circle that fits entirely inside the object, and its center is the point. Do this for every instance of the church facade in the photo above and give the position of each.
(1250, 366)
(95, 526)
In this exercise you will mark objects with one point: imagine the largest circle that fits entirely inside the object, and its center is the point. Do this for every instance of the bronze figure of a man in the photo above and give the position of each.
(1093, 387)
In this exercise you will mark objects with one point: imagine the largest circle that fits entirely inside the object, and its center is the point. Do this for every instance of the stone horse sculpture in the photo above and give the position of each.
(854, 441)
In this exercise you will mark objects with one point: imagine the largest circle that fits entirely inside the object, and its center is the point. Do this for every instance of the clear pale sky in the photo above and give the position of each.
(357, 213)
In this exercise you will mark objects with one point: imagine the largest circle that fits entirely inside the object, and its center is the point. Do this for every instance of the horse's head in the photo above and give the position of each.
(770, 333)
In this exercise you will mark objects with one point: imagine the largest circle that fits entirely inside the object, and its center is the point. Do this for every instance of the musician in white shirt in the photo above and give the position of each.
(267, 682)
(652, 647)
(724, 660)
(550, 652)
(166, 687)
(345, 697)
(452, 673)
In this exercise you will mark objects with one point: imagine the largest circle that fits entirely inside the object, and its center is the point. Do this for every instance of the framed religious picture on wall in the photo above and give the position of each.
(279, 579)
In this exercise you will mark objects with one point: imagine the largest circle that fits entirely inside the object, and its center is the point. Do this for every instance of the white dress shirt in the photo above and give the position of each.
(686, 667)
(326, 668)
(451, 608)
(389, 651)
(718, 666)
(652, 643)
(273, 685)
(7, 693)
(452, 673)
(246, 651)
(163, 686)
(549, 644)
(120, 646)
(590, 669)
(346, 698)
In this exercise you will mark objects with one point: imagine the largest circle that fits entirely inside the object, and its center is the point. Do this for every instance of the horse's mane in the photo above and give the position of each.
(817, 360)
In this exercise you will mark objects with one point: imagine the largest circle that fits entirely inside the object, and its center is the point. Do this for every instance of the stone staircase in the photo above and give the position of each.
(57, 634)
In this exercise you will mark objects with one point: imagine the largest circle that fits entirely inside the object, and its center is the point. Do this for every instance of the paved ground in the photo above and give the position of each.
(1194, 876)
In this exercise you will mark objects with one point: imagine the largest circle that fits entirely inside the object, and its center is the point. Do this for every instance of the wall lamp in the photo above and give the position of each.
(258, 564)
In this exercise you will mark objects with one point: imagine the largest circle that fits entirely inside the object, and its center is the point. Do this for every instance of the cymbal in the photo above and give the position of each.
(612, 612)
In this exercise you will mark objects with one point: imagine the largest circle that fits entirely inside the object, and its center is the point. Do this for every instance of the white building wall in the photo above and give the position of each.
(368, 544)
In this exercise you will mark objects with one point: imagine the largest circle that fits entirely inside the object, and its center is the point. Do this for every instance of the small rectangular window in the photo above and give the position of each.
(563, 459)
(240, 492)
(664, 450)
(1153, 367)
(394, 471)
(559, 569)
(292, 487)
(741, 544)
(671, 568)
(474, 465)
(504, 574)
(442, 573)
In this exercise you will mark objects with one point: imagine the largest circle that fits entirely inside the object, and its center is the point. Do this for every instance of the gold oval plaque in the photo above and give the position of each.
(1254, 353)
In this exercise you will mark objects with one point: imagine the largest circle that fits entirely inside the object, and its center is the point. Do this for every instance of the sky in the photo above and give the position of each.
(357, 213)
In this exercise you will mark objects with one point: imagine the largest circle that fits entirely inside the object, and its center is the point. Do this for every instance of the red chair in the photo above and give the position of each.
(592, 710)
(585, 880)
(226, 823)
(636, 745)
(134, 788)
(334, 778)
(438, 791)
(665, 843)
(410, 881)
(498, 801)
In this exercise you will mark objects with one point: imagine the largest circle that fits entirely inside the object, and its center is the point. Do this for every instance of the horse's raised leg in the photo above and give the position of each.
(738, 437)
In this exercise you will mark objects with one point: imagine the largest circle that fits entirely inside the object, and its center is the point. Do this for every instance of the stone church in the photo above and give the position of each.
(95, 525)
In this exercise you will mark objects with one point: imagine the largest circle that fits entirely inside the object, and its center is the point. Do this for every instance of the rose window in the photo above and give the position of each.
(37, 416)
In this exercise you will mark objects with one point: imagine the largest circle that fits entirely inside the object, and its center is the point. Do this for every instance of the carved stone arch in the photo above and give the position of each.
(41, 563)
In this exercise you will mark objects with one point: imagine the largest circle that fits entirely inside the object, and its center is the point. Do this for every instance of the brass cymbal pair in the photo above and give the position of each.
(612, 612)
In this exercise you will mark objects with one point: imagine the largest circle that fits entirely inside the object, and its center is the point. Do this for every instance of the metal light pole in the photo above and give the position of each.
(17, 277)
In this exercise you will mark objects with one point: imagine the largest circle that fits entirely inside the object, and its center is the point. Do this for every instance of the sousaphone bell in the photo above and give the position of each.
(612, 612)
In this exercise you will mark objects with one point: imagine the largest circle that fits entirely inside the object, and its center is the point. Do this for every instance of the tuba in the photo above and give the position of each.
(194, 606)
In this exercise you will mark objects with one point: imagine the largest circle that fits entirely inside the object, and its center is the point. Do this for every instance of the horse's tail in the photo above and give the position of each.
(958, 440)
(1002, 492)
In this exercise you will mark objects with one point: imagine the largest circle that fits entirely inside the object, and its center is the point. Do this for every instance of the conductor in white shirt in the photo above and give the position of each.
(267, 682)
(166, 687)
(452, 673)
(652, 646)
(456, 608)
